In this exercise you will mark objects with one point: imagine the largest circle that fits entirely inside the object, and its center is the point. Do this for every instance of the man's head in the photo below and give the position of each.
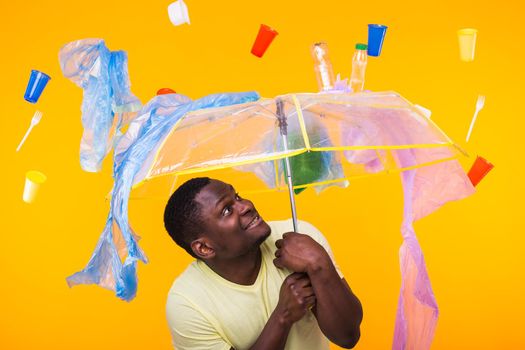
(210, 220)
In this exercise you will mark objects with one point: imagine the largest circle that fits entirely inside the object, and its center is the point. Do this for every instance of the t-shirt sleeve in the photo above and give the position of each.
(309, 229)
(189, 327)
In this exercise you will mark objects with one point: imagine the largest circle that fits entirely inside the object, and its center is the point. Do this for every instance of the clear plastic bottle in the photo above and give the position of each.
(357, 79)
(323, 67)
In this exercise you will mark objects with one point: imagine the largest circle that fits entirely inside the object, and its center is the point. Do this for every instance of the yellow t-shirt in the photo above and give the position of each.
(208, 312)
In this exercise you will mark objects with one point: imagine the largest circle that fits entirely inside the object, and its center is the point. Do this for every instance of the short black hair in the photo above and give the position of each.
(182, 216)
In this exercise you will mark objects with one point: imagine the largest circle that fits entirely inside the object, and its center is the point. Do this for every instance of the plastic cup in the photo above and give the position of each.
(479, 169)
(178, 13)
(37, 82)
(263, 40)
(33, 181)
(376, 35)
(467, 44)
(165, 91)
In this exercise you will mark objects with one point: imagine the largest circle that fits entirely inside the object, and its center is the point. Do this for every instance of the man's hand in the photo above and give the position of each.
(337, 309)
(299, 253)
(295, 298)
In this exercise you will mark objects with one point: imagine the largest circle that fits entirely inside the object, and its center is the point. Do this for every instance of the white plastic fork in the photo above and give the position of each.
(34, 121)
(479, 106)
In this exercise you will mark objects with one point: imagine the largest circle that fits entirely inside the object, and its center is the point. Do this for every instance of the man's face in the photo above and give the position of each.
(231, 224)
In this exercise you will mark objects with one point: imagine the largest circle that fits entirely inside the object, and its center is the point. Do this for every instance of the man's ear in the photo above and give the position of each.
(202, 247)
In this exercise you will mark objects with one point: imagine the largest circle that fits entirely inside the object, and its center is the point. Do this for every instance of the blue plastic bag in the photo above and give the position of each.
(114, 261)
(103, 75)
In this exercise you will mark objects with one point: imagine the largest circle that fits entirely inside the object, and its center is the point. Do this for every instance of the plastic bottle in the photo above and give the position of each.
(323, 67)
(357, 79)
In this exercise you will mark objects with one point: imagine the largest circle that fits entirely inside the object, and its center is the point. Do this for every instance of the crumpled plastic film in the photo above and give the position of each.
(103, 75)
(113, 264)
(425, 189)
(159, 105)
(313, 167)
(306, 168)
(361, 135)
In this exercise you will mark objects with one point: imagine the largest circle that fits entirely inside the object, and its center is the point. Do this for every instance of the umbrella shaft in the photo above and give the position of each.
(290, 183)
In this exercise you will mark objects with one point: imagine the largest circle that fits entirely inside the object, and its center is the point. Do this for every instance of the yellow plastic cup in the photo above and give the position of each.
(467, 44)
(33, 181)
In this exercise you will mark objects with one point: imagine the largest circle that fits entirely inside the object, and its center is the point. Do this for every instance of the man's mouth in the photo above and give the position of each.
(255, 221)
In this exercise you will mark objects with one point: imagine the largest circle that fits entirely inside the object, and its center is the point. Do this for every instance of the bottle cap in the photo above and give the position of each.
(361, 46)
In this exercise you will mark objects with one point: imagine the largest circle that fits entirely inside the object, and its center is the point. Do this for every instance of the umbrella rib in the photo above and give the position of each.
(222, 166)
(347, 178)
(301, 122)
(435, 125)
(159, 148)
(380, 157)
(353, 148)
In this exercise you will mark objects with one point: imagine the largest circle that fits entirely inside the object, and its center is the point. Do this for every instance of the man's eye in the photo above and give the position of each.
(226, 211)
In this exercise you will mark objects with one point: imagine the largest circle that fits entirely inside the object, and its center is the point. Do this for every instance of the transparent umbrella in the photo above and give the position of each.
(311, 139)
(289, 143)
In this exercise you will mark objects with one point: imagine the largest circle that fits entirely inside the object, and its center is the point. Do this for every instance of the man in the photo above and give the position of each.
(254, 285)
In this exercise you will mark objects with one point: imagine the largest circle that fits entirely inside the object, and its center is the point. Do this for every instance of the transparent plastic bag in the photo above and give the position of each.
(103, 75)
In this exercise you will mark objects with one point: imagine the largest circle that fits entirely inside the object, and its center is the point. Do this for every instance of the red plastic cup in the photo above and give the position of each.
(165, 91)
(479, 169)
(263, 40)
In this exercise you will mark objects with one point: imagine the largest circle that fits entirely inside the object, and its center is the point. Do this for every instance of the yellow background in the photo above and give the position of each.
(473, 248)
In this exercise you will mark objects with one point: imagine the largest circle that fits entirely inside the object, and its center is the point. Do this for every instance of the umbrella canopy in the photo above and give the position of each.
(331, 138)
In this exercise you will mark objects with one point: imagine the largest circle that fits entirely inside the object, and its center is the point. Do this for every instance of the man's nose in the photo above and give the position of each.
(244, 207)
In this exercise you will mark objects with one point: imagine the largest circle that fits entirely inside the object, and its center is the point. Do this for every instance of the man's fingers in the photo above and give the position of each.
(279, 243)
(306, 292)
(309, 302)
(295, 276)
(278, 253)
(278, 263)
(286, 234)
(296, 279)
(303, 281)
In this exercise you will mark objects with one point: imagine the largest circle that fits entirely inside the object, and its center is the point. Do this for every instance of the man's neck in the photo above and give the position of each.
(241, 270)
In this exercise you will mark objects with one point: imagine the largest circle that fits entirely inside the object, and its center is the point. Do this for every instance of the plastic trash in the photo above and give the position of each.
(165, 91)
(359, 62)
(113, 264)
(34, 179)
(323, 67)
(376, 36)
(341, 85)
(178, 13)
(263, 40)
(306, 168)
(479, 170)
(37, 82)
(103, 75)
(426, 112)
(363, 135)
(34, 121)
(467, 44)
(479, 106)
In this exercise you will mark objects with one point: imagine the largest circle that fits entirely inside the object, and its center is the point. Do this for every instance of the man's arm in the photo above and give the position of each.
(296, 297)
(338, 311)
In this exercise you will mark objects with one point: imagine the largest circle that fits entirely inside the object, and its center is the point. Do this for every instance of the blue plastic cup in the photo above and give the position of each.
(37, 82)
(376, 35)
